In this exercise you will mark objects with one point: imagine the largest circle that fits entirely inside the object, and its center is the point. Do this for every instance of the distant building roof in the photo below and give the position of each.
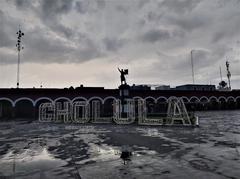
(196, 87)
(163, 87)
(140, 87)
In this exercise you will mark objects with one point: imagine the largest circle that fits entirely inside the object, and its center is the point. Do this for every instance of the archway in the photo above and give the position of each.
(24, 109)
(238, 102)
(193, 103)
(80, 110)
(151, 107)
(204, 103)
(38, 103)
(108, 107)
(231, 104)
(95, 109)
(138, 101)
(186, 102)
(63, 109)
(161, 106)
(6, 109)
(214, 103)
(222, 102)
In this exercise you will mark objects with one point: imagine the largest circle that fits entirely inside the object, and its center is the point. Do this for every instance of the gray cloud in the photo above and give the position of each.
(190, 23)
(7, 31)
(89, 50)
(8, 57)
(5, 39)
(155, 35)
(154, 38)
(22, 4)
(183, 6)
(54, 7)
(142, 3)
(113, 44)
(122, 8)
(45, 49)
(51, 12)
(82, 6)
(101, 4)
(154, 16)
(218, 36)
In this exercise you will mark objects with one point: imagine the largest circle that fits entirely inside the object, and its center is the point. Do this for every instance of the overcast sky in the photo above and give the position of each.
(73, 42)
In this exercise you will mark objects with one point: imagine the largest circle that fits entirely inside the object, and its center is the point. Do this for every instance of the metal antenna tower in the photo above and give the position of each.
(220, 72)
(19, 48)
(228, 75)
(192, 66)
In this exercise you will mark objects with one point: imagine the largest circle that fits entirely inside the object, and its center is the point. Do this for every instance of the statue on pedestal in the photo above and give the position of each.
(122, 76)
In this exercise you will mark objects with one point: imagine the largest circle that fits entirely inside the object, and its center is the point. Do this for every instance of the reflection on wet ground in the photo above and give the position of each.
(44, 150)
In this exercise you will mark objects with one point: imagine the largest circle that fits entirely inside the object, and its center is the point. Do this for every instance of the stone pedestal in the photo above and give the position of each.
(124, 94)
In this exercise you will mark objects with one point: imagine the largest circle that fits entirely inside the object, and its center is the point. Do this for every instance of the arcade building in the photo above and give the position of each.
(98, 102)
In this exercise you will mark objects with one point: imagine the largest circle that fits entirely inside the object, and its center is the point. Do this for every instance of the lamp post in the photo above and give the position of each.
(19, 48)
(192, 65)
(228, 75)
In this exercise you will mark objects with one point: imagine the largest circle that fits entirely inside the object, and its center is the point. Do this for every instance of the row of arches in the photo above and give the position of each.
(192, 99)
(34, 102)
(27, 107)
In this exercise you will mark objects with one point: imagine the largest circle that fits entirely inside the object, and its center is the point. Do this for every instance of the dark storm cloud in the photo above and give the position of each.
(77, 31)
(202, 60)
(101, 4)
(46, 8)
(161, 70)
(189, 22)
(5, 40)
(54, 7)
(218, 36)
(87, 53)
(123, 8)
(142, 3)
(22, 4)
(155, 35)
(82, 6)
(180, 65)
(51, 12)
(154, 16)
(113, 44)
(181, 6)
(88, 50)
(46, 49)
(7, 31)
(8, 57)
(61, 29)
(41, 43)
(224, 33)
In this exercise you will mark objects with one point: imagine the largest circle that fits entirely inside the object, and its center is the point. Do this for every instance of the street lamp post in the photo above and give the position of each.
(19, 48)
(228, 75)
(192, 66)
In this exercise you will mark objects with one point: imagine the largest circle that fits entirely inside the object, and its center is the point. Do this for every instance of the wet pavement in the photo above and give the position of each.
(48, 150)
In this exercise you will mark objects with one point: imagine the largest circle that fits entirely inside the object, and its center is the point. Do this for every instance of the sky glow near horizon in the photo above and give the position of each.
(73, 42)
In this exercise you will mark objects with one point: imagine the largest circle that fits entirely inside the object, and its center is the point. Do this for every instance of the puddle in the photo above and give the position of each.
(29, 151)
(28, 162)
